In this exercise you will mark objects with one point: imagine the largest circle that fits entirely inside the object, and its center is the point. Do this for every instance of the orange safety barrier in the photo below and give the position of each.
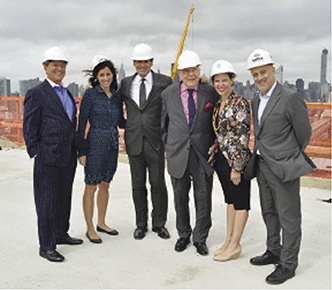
(11, 116)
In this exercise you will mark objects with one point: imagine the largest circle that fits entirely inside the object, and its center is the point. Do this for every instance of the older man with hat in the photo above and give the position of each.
(141, 93)
(49, 126)
(188, 134)
(282, 132)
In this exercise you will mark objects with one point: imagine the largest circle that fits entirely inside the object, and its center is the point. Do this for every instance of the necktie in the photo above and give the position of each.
(142, 93)
(191, 107)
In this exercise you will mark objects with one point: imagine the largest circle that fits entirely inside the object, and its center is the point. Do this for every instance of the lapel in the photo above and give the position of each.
(270, 105)
(201, 100)
(177, 103)
(55, 99)
(254, 105)
(127, 92)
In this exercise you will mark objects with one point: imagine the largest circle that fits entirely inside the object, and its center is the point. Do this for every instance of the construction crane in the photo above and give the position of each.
(181, 44)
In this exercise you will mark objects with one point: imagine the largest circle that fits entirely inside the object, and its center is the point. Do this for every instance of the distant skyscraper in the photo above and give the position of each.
(4, 87)
(26, 85)
(280, 74)
(121, 74)
(73, 88)
(323, 67)
(300, 87)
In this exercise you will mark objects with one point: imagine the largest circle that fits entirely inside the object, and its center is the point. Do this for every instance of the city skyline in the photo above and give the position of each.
(294, 32)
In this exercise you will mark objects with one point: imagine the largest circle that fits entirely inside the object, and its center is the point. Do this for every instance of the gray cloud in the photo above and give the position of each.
(293, 31)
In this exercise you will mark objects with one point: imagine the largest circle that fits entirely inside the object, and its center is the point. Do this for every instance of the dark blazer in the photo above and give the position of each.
(145, 121)
(48, 131)
(282, 136)
(176, 134)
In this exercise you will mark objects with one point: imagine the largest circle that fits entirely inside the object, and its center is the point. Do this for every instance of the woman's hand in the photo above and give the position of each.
(235, 177)
(82, 160)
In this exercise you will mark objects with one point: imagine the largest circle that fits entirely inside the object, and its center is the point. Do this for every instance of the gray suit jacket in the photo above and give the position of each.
(282, 136)
(176, 134)
(145, 121)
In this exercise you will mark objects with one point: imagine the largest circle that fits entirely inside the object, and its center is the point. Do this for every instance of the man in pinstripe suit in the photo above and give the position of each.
(49, 129)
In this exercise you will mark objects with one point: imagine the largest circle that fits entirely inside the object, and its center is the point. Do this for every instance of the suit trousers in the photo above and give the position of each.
(153, 162)
(53, 192)
(281, 211)
(202, 184)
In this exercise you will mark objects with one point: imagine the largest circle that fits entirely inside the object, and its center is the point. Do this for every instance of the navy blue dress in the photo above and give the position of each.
(104, 115)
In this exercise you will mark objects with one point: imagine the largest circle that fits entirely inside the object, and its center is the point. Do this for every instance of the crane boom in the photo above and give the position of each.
(181, 44)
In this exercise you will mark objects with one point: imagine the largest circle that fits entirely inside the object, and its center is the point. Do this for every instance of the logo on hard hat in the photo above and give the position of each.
(257, 56)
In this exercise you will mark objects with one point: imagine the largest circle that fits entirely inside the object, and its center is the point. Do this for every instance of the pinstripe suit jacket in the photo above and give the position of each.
(48, 132)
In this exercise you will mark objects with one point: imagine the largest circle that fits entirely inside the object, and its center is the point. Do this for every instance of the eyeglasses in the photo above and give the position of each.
(192, 70)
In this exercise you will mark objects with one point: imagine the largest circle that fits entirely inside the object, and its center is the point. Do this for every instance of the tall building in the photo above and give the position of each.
(323, 67)
(280, 74)
(4, 87)
(121, 74)
(300, 87)
(25, 85)
(73, 88)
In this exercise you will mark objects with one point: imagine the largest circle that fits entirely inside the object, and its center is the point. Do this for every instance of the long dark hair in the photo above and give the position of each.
(93, 74)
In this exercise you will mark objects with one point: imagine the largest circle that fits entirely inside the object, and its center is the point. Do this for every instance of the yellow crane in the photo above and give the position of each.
(181, 44)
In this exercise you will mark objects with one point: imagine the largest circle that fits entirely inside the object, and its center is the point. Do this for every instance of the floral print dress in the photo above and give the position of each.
(232, 128)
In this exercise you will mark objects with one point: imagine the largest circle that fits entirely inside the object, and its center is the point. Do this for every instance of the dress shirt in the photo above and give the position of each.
(65, 99)
(262, 104)
(184, 98)
(134, 89)
(263, 101)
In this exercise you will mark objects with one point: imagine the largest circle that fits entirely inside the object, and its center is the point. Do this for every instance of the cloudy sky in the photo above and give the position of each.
(293, 31)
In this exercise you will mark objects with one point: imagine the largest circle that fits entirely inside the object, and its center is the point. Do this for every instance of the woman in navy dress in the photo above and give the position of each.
(102, 107)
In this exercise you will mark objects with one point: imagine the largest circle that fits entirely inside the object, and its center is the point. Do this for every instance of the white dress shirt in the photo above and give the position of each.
(134, 89)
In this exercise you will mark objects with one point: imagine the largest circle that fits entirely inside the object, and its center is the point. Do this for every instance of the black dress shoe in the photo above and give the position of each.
(280, 275)
(69, 241)
(162, 232)
(95, 241)
(265, 259)
(139, 233)
(52, 255)
(202, 249)
(114, 232)
(181, 244)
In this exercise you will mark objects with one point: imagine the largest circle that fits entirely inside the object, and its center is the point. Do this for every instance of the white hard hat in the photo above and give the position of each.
(188, 59)
(142, 51)
(54, 53)
(222, 66)
(259, 57)
(97, 59)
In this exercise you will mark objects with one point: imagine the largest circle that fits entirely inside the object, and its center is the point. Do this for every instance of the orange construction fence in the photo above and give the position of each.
(11, 116)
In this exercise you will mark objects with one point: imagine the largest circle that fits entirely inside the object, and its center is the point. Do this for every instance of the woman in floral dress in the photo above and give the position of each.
(229, 156)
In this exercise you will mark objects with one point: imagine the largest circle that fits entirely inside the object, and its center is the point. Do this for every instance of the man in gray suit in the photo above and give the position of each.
(141, 93)
(188, 134)
(282, 132)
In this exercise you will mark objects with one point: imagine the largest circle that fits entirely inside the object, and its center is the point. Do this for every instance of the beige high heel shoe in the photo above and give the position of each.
(230, 256)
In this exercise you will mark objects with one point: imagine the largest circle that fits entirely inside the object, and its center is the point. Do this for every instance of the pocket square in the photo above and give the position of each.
(208, 106)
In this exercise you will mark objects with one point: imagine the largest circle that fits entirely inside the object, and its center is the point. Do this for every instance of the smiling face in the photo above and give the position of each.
(105, 78)
(143, 67)
(56, 71)
(264, 77)
(190, 76)
(223, 84)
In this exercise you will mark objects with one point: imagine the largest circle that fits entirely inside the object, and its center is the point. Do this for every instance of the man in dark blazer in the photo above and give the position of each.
(188, 134)
(49, 126)
(282, 132)
(141, 93)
